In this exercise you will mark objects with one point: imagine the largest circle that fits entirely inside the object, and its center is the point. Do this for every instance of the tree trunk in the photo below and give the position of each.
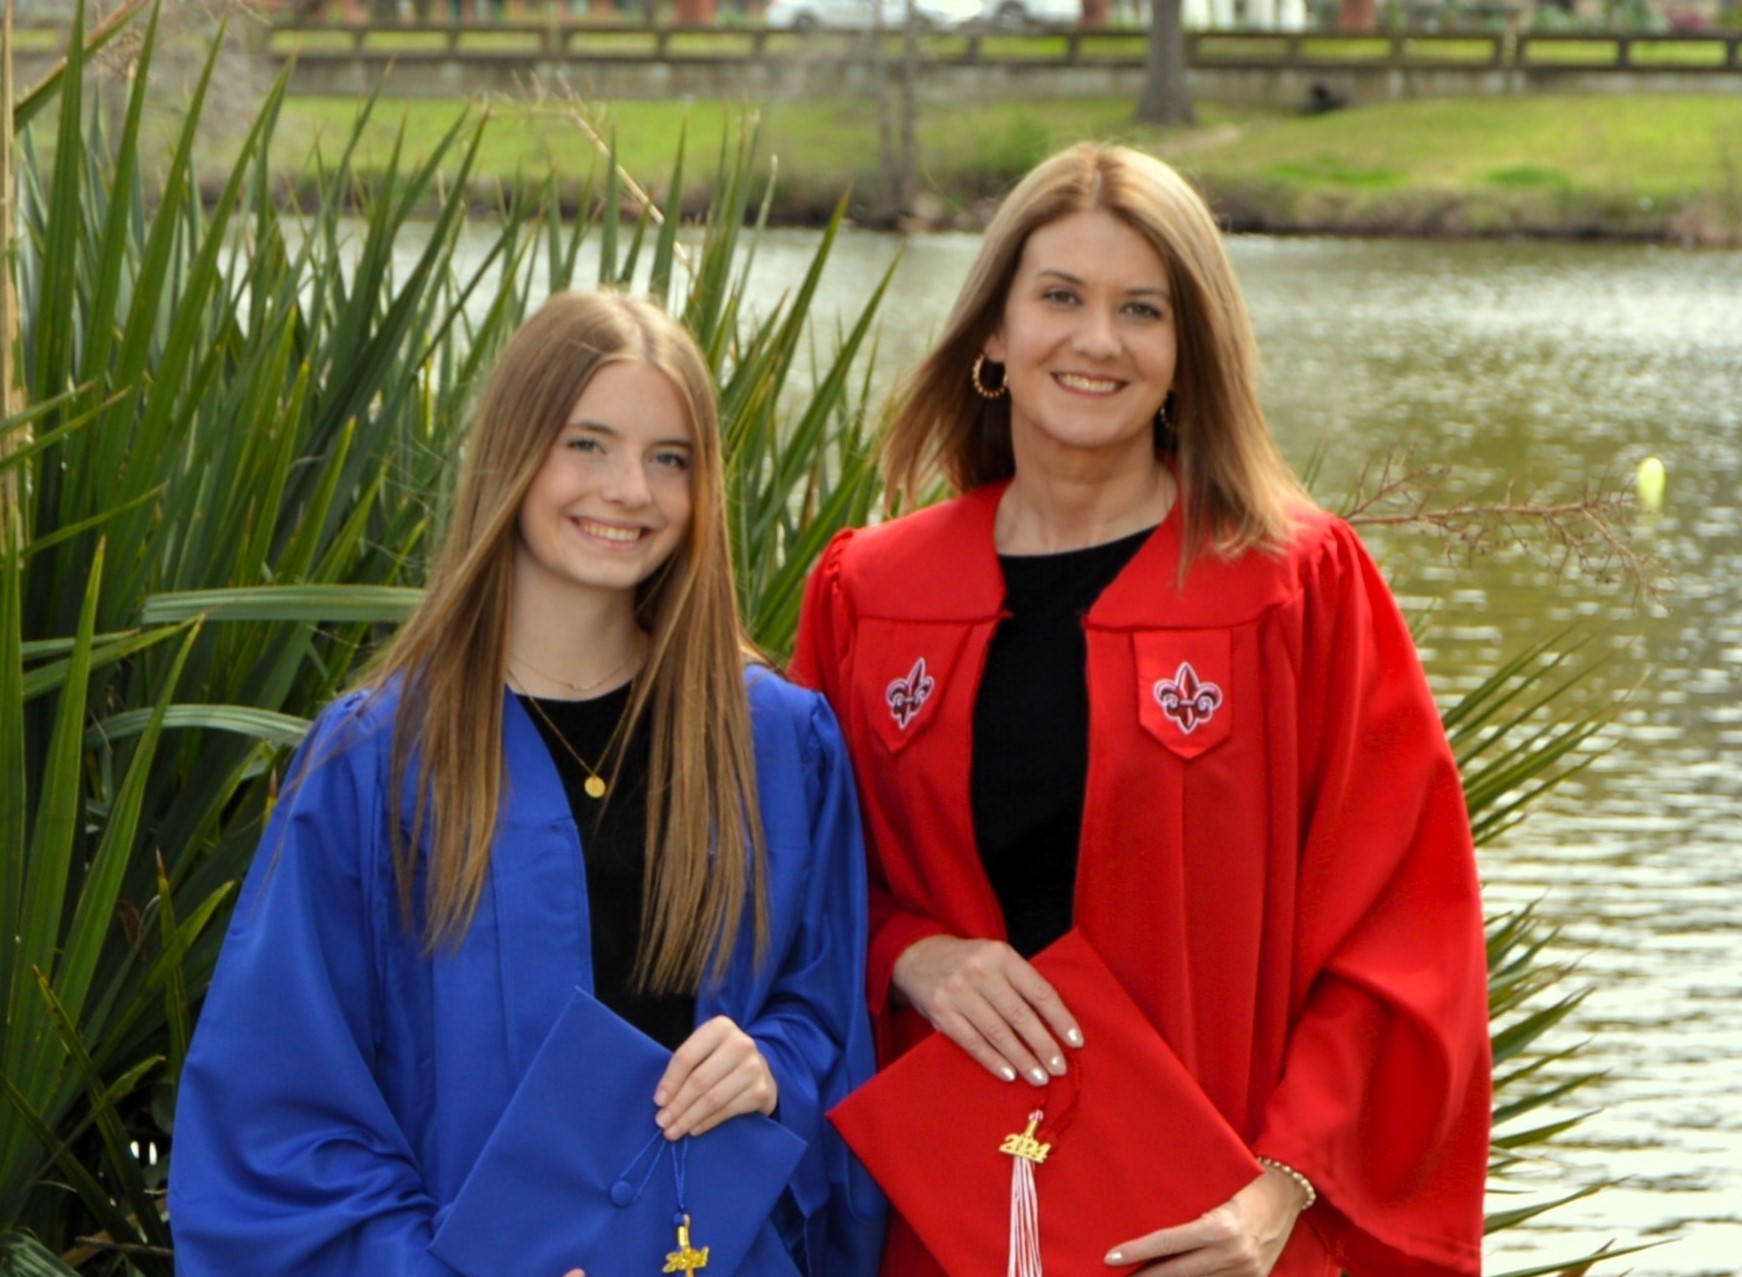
(888, 197)
(1358, 15)
(907, 175)
(1166, 99)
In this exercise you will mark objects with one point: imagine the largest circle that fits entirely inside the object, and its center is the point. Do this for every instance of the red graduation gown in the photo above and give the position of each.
(1275, 856)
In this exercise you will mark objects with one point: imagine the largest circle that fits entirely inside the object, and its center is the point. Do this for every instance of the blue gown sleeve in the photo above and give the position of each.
(287, 1158)
(813, 1027)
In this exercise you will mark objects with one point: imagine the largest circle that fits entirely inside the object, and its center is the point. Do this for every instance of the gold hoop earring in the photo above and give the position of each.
(980, 387)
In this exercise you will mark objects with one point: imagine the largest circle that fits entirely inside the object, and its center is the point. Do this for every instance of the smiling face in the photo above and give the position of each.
(611, 502)
(1088, 343)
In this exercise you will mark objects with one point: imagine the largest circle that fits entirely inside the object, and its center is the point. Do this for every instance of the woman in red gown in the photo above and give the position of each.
(1129, 679)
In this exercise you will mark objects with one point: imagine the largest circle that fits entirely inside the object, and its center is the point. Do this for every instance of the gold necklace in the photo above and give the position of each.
(582, 688)
(594, 785)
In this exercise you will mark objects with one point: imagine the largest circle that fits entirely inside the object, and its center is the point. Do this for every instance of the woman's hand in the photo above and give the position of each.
(574, 1272)
(985, 998)
(717, 1073)
(1242, 1237)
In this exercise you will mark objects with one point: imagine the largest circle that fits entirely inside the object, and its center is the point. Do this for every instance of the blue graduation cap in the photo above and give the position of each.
(576, 1174)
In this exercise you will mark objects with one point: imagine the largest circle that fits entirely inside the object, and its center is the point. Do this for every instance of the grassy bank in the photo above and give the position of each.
(1652, 167)
(1657, 167)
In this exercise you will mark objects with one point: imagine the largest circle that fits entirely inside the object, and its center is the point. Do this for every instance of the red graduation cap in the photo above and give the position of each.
(576, 1174)
(998, 1176)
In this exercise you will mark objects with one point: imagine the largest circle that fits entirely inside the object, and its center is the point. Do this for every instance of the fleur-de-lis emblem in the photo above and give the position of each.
(907, 693)
(1187, 699)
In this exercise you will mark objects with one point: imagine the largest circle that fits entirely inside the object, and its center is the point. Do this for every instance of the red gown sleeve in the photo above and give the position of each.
(822, 660)
(1385, 1100)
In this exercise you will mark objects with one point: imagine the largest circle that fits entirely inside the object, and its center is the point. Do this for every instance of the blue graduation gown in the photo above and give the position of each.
(342, 1082)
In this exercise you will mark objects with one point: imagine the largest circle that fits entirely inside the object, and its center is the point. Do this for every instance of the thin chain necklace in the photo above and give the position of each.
(582, 688)
(595, 785)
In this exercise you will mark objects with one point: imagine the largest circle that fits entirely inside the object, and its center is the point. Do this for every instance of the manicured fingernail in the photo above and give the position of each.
(660, 1097)
(662, 1120)
(1115, 1257)
(1074, 1037)
(1037, 1076)
(1007, 1073)
(1057, 1065)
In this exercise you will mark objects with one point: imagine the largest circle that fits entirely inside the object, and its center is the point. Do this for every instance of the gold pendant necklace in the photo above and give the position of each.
(594, 785)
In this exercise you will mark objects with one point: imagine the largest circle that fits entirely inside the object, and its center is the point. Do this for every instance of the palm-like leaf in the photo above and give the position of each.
(1521, 732)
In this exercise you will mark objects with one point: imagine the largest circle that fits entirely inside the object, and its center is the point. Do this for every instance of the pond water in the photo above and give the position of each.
(1552, 368)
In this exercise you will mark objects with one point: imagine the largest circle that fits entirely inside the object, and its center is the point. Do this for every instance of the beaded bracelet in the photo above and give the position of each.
(1306, 1185)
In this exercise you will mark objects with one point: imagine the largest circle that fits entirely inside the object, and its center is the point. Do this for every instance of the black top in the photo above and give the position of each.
(1031, 736)
(613, 846)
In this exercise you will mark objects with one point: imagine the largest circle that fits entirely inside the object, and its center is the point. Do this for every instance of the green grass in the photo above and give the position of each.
(1040, 49)
(1528, 175)
(631, 41)
(502, 41)
(1346, 49)
(1597, 163)
(334, 41)
(823, 145)
(1123, 47)
(1226, 49)
(406, 41)
(719, 44)
(1457, 52)
(1680, 53)
(1331, 169)
(1654, 146)
(1658, 167)
(1580, 51)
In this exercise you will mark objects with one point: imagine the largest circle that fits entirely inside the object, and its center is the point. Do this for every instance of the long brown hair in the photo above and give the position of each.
(1236, 490)
(704, 839)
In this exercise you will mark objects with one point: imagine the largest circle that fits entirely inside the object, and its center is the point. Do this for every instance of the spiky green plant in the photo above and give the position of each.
(230, 464)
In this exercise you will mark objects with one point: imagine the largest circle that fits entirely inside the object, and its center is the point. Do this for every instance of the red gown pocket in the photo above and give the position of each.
(908, 670)
(1185, 688)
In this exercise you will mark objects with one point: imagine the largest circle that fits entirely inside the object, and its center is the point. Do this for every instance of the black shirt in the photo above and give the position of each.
(613, 846)
(1031, 736)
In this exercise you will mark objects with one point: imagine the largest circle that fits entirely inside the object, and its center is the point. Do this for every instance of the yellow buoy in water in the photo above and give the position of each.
(1648, 480)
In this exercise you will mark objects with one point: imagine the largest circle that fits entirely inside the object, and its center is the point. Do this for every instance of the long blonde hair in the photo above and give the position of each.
(704, 838)
(1236, 490)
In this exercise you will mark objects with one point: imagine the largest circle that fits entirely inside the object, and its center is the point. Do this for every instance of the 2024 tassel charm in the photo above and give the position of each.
(686, 1258)
(1028, 1152)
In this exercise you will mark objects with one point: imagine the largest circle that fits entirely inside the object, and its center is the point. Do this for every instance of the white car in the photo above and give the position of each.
(808, 15)
(1020, 15)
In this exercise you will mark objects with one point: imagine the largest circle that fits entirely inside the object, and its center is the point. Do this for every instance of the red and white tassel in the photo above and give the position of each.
(1024, 1216)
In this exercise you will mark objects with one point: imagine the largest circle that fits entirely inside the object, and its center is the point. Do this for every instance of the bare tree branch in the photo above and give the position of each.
(1589, 531)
